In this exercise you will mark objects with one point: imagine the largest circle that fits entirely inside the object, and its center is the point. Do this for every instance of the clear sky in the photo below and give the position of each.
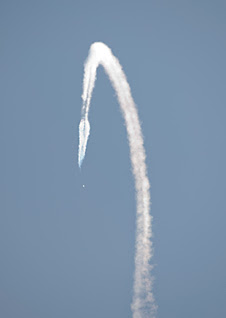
(67, 251)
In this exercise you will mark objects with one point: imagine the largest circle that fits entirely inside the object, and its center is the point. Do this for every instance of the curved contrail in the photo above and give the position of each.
(143, 304)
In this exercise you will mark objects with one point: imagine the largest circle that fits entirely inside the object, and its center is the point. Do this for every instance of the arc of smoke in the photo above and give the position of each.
(143, 304)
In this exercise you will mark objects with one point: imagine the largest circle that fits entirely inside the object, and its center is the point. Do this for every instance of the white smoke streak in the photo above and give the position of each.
(143, 305)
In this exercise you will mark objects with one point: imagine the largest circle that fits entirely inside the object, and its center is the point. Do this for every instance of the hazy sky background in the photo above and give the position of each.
(67, 251)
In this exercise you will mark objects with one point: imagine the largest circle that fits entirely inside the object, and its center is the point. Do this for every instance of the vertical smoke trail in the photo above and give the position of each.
(143, 305)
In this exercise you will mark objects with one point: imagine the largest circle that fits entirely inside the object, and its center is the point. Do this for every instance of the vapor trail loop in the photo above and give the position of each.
(143, 304)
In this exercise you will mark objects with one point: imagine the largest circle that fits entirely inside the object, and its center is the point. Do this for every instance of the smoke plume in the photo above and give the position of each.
(143, 304)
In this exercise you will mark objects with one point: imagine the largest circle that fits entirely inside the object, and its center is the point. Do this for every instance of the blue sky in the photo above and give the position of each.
(67, 251)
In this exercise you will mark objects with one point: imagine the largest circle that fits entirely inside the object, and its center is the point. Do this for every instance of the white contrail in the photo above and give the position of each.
(143, 305)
